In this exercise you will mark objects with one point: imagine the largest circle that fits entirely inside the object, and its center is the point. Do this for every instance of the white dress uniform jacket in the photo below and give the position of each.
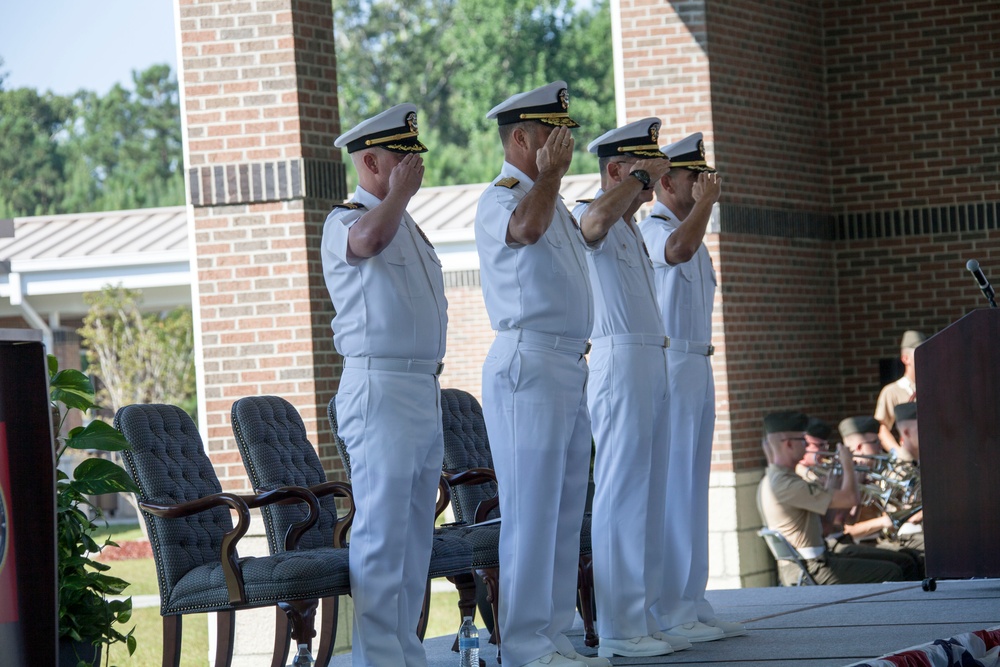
(629, 407)
(534, 403)
(686, 294)
(390, 327)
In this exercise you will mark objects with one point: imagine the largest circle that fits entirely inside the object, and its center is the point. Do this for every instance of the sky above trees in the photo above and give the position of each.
(454, 59)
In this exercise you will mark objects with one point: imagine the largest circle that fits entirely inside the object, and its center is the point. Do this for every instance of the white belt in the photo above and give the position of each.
(810, 553)
(690, 347)
(398, 365)
(559, 343)
(617, 340)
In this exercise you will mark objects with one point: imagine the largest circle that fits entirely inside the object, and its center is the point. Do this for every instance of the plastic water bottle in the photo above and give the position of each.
(468, 643)
(303, 658)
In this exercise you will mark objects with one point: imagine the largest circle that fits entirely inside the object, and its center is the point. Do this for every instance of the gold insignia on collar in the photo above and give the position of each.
(349, 204)
(508, 182)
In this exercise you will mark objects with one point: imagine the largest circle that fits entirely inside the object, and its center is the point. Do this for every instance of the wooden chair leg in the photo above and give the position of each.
(491, 577)
(172, 627)
(424, 611)
(282, 635)
(302, 616)
(585, 585)
(328, 630)
(466, 586)
(225, 632)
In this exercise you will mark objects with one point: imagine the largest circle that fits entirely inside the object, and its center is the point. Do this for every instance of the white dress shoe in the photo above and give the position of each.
(729, 629)
(555, 660)
(590, 662)
(676, 642)
(637, 647)
(697, 632)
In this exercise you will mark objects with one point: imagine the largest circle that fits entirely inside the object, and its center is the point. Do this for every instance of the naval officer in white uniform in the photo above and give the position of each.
(627, 393)
(385, 282)
(685, 287)
(534, 276)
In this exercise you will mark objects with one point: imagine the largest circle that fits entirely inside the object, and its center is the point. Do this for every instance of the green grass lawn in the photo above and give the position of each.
(141, 574)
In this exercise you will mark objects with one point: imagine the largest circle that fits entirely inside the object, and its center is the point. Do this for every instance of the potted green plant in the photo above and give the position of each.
(88, 619)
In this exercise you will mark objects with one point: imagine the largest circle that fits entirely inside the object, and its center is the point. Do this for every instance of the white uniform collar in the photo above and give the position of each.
(365, 198)
(510, 170)
(661, 209)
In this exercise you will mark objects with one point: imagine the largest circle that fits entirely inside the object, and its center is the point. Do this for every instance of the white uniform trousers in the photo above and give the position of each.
(536, 416)
(629, 407)
(685, 549)
(391, 424)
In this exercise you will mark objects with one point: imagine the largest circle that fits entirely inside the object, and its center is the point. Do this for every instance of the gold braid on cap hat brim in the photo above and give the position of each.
(392, 137)
(643, 147)
(410, 148)
(696, 163)
(552, 118)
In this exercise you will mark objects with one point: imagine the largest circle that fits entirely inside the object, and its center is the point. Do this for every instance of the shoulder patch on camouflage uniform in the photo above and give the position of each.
(508, 182)
(350, 204)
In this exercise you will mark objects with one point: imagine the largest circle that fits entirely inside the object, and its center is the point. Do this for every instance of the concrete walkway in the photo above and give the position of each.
(814, 626)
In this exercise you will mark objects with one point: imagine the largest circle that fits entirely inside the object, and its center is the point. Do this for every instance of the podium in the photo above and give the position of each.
(958, 394)
(28, 593)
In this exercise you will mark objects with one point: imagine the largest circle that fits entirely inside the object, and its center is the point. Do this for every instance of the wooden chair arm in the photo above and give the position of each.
(228, 557)
(285, 495)
(475, 476)
(338, 490)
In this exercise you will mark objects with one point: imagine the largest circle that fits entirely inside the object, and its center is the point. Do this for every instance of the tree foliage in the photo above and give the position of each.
(87, 152)
(456, 59)
(138, 357)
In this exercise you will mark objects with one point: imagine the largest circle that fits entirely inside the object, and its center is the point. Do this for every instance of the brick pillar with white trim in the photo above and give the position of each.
(259, 97)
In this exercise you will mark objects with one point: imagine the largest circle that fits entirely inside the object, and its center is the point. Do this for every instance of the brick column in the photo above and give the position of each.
(259, 93)
(259, 98)
(663, 69)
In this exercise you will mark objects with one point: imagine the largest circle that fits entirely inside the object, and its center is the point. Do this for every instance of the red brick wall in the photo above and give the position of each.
(913, 102)
(469, 334)
(258, 85)
(860, 162)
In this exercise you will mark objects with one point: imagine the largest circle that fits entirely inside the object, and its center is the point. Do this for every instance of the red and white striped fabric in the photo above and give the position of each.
(972, 649)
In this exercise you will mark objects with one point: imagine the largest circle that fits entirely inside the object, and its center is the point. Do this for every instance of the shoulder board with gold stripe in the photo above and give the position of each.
(584, 201)
(349, 204)
(508, 182)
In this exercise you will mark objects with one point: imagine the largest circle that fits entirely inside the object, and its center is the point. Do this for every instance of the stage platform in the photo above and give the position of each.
(815, 626)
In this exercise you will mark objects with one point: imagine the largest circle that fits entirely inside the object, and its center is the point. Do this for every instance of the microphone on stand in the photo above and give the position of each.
(973, 266)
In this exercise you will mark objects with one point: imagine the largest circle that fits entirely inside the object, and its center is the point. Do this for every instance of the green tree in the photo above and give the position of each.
(455, 59)
(31, 163)
(138, 357)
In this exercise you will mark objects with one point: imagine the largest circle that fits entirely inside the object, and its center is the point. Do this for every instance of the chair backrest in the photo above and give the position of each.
(466, 446)
(276, 452)
(167, 461)
(782, 550)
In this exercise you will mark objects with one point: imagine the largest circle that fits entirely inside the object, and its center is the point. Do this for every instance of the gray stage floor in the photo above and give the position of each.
(818, 626)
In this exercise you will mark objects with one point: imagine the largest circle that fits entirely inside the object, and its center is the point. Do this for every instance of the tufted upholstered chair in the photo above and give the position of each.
(467, 457)
(276, 453)
(194, 541)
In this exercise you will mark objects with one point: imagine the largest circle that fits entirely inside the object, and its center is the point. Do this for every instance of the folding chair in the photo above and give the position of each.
(782, 550)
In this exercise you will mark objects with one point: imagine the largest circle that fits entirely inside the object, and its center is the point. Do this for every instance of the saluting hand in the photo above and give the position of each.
(557, 152)
(406, 177)
(708, 186)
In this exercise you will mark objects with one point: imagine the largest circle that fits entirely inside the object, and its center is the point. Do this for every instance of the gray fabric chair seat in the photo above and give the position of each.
(451, 554)
(485, 542)
(290, 575)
